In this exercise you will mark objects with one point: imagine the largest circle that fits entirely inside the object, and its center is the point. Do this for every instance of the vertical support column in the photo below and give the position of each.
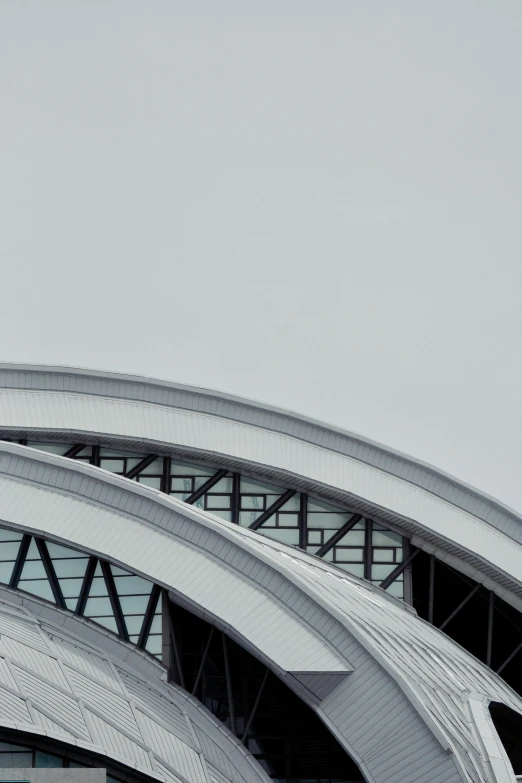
(303, 509)
(171, 640)
(165, 476)
(230, 693)
(406, 577)
(431, 593)
(95, 459)
(368, 525)
(166, 646)
(491, 614)
(236, 498)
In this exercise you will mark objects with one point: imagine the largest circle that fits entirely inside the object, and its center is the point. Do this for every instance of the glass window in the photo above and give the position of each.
(253, 501)
(98, 606)
(396, 589)
(227, 515)
(34, 578)
(384, 555)
(249, 486)
(105, 452)
(181, 485)
(280, 534)
(16, 760)
(348, 555)
(43, 760)
(51, 448)
(114, 465)
(332, 521)
(9, 550)
(6, 572)
(286, 520)
(9, 535)
(380, 572)
(246, 518)
(187, 469)
(355, 537)
(382, 537)
(150, 481)
(217, 501)
(154, 469)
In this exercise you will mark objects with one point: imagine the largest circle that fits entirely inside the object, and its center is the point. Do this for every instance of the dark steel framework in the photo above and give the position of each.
(281, 731)
(474, 617)
(126, 604)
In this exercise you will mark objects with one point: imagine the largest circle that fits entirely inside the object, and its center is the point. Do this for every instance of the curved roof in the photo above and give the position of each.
(54, 684)
(468, 529)
(404, 700)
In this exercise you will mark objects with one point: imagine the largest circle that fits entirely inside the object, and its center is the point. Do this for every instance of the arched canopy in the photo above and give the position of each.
(467, 529)
(402, 708)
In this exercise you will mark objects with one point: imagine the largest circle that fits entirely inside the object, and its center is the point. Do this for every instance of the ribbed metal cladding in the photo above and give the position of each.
(155, 392)
(105, 708)
(397, 666)
(366, 486)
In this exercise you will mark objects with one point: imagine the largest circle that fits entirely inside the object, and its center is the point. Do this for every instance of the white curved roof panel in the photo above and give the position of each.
(437, 509)
(403, 709)
(53, 684)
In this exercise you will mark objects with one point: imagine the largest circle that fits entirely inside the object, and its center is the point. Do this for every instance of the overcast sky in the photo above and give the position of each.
(315, 204)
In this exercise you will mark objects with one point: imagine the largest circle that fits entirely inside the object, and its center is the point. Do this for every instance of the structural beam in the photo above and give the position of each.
(459, 607)
(115, 601)
(333, 540)
(203, 660)
(509, 658)
(204, 488)
(20, 560)
(137, 469)
(149, 616)
(398, 570)
(254, 708)
(86, 585)
(431, 594)
(230, 694)
(51, 574)
(271, 510)
(74, 450)
(491, 614)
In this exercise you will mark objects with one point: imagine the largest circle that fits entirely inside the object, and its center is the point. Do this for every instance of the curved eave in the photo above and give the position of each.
(142, 388)
(468, 531)
(299, 614)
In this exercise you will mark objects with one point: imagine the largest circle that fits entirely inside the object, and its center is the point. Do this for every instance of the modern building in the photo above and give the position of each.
(197, 588)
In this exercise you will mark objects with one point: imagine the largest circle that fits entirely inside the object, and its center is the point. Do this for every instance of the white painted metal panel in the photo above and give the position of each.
(253, 613)
(120, 418)
(409, 683)
(95, 710)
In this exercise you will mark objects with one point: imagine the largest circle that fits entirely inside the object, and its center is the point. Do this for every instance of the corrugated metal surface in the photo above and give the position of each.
(373, 487)
(157, 705)
(107, 703)
(217, 404)
(253, 613)
(117, 744)
(402, 708)
(50, 726)
(61, 705)
(178, 754)
(92, 707)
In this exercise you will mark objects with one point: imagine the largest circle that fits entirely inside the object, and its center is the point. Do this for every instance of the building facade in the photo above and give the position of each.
(196, 587)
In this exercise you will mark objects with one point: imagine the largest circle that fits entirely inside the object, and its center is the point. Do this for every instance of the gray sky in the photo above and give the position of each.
(315, 204)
